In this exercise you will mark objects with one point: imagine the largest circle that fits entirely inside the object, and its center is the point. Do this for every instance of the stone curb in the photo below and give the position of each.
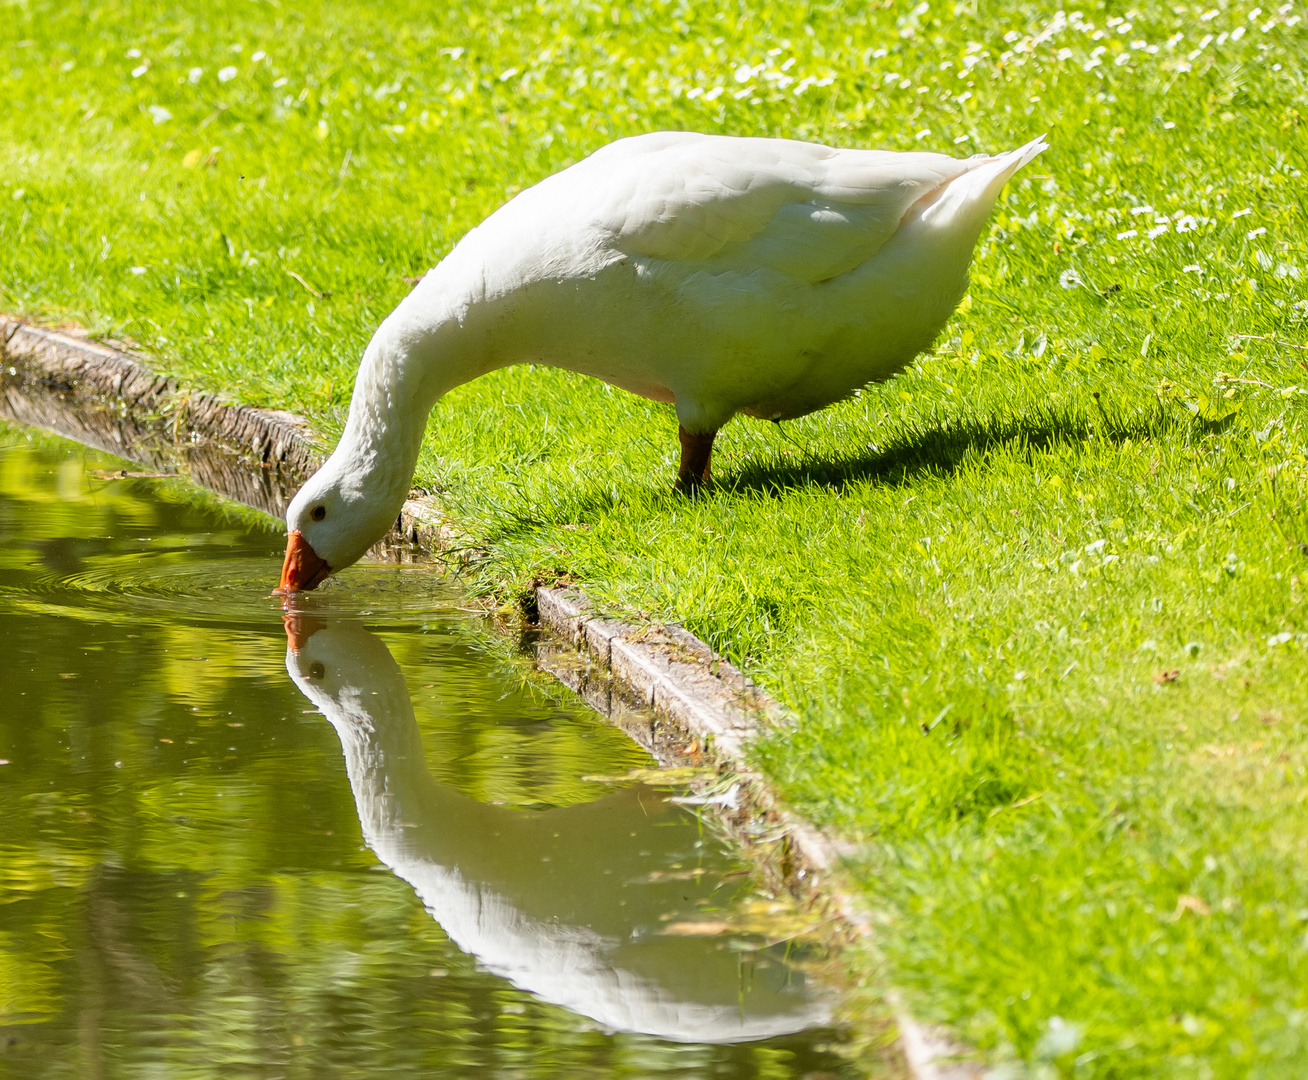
(664, 668)
(107, 398)
(72, 364)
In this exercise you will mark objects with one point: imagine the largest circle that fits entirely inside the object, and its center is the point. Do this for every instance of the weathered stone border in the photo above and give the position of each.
(108, 398)
(103, 396)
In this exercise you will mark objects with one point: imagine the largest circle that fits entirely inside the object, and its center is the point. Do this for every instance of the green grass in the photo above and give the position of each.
(972, 584)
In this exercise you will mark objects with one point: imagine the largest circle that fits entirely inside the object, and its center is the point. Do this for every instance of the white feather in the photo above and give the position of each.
(727, 275)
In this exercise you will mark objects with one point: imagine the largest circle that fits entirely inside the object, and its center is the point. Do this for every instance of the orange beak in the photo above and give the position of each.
(300, 628)
(303, 569)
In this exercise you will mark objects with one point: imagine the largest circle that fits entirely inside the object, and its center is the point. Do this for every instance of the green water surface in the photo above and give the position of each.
(391, 853)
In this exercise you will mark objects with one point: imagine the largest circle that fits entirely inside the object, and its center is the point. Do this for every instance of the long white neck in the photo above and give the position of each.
(425, 348)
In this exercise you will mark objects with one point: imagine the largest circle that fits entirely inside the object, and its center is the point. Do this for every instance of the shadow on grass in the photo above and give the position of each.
(937, 449)
(942, 448)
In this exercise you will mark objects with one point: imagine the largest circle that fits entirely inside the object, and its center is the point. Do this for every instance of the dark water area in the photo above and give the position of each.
(393, 852)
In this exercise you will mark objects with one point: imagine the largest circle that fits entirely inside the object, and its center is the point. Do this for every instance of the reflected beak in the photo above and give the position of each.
(303, 569)
(300, 628)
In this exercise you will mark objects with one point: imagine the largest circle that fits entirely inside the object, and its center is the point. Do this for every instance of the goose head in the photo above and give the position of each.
(352, 502)
(321, 535)
(342, 510)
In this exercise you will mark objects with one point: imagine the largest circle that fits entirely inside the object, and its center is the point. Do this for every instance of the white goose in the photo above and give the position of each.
(726, 275)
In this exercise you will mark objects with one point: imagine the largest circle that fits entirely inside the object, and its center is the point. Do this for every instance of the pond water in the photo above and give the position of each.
(388, 850)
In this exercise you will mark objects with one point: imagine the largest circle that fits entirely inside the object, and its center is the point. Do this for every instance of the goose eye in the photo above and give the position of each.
(317, 671)
(318, 513)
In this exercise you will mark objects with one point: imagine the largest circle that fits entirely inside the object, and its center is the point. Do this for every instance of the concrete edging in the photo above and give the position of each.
(74, 364)
(109, 399)
(106, 397)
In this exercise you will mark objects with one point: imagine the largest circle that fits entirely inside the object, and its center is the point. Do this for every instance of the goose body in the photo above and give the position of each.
(761, 276)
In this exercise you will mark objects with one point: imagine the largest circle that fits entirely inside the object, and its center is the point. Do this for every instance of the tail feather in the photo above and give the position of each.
(972, 194)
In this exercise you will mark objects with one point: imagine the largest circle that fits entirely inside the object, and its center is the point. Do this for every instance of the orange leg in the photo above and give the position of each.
(696, 459)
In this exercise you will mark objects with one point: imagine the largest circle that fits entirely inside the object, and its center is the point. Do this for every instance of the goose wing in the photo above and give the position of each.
(722, 204)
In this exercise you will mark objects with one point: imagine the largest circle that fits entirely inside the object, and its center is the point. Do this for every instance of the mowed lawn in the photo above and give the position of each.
(1038, 604)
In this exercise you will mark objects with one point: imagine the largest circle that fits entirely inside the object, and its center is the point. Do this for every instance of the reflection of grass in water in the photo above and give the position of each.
(92, 494)
(194, 878)
(318, 971)
(982, 548)
(542, 749)
(250, 523)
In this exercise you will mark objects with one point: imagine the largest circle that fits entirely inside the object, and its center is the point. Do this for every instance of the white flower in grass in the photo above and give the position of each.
(226, 74)
(1193, 268)
(1254, 232)
(137, 72)
(160, 114)
(1157, 230)
(1127, 234)
(195, 75)
(1137, 210)
(1241, 213)
(137, 270)
(1070, 279)
(1187, 223)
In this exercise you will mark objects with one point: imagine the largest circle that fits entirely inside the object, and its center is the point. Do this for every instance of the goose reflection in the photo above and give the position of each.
(564, 902)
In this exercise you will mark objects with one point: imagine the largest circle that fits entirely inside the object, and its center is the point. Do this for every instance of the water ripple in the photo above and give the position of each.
(211, 584)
